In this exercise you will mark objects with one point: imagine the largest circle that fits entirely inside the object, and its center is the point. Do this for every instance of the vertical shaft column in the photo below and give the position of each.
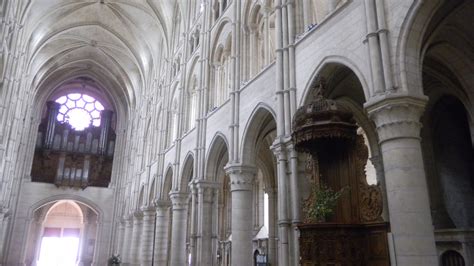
(295, 202)
(146, 251)
(136, 232)
(126, 246)
(53, 110)
(241, 184)
(204, 236)
(272, 237)
(193, 229)
(178, 228)
(120, 238)
(283, 217)
(161, 233)
(398, 126)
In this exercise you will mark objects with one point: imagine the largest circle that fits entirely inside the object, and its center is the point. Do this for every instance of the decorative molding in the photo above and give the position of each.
(397, 117)
(179, 200)
(242, 177)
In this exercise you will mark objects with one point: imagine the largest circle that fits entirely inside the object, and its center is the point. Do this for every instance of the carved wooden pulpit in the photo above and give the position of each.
(355, 234)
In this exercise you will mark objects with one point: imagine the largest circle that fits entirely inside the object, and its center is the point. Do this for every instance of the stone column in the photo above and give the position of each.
(193, 229)
(178, 228)
(147, 235)
(272, 236)
(161, 232)
(136, 232)
(283, 213)
(204, 235)
(398, 127)
(120, 238)
(126, 247)
(241, 183)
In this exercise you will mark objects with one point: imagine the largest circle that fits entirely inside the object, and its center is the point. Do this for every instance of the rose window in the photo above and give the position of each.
(79, 110)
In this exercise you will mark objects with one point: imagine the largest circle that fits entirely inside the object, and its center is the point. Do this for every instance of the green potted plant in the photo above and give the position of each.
(114, 260)
(323, 202)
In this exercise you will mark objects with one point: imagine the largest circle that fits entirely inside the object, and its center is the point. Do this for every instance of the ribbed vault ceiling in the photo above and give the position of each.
(114, 42)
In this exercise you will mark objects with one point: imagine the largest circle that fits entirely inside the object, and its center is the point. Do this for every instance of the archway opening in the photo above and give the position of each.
(63, 234)
(447, 132)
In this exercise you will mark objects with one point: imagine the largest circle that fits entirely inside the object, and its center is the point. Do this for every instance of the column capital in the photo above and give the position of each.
(179, 200)
(280, 145)
(138, 214)
(397, 116)
(206, 189)
(159, 204)
(148, 210)
(241, 176)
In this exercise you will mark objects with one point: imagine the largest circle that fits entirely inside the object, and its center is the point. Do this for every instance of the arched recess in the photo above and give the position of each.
(419, 26)
(152, 193)
(444, 67)
(81, 221)
(166, 183)
(217, 157)
(187, 173)
(221, 65)
(342, 81)
(331, 66)
(141, 197)
(343, 84)
(191, 99)
(258, 46)
(173, 125)
(259, 135)
(450, 155)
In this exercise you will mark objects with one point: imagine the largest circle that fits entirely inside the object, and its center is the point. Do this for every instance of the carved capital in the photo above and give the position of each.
(148, 210)
(206, 189)
(138, 215)
(397, 117)
(207, 194)
(179, 200)
(161, 205)
(242, 177)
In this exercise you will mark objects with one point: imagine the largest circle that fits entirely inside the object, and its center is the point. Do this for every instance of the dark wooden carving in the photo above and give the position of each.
(344, 244)
(355, 234)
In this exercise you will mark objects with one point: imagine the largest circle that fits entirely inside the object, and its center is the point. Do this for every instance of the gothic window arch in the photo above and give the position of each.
(174, 117)
(261, 38)
(221, 74)
(192, 97)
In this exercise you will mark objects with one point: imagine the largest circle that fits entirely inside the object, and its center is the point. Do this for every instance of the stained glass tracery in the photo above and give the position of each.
(79, 110)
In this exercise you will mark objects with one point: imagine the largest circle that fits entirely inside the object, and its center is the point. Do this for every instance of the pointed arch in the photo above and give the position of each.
(187, 173)
(329, 66)
(217, 156)
(151, 193)
(257, 124)
(166, 183)
(141, 196)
